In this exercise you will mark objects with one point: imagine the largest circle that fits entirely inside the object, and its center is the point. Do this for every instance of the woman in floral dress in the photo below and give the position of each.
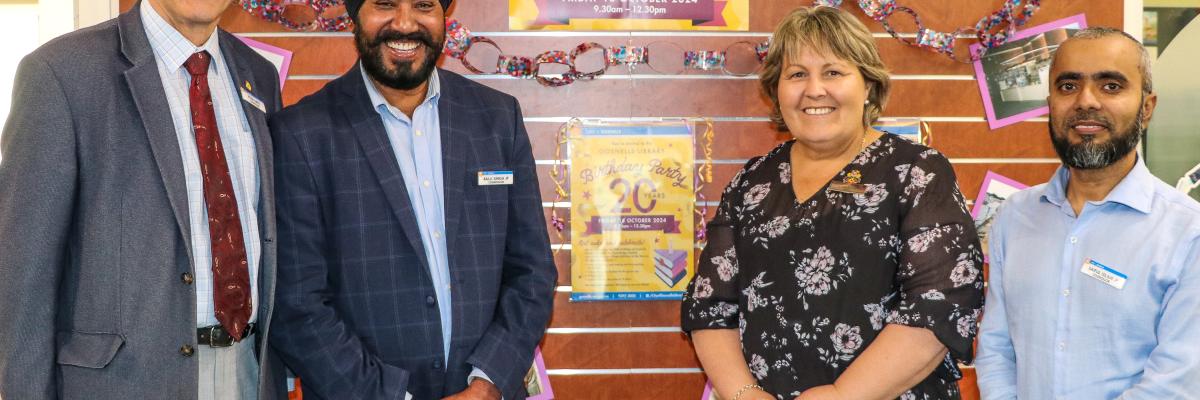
(842, 264)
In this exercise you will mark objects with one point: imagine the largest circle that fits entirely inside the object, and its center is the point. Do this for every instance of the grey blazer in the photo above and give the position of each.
(94, 226)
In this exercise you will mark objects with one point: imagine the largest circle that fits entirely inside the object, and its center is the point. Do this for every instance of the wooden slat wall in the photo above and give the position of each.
(634, 350)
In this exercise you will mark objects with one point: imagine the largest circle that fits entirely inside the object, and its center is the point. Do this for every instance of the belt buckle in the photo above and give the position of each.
(212, 336)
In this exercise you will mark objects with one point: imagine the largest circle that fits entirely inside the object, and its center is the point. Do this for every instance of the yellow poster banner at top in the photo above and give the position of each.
(629, 15)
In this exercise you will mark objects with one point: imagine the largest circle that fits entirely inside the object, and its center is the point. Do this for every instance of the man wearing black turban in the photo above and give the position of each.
(413, 256)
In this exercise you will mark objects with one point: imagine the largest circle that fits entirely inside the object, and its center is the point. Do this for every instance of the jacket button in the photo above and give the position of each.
(187, 278)
(437, 364)
(186, 350)
(429, 300)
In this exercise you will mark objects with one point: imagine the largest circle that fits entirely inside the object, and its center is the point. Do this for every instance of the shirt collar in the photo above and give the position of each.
(171, 47)
(1135, 191)
(432, 95)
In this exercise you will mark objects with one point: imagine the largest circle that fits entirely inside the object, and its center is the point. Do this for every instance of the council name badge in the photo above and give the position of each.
(1103, 273)
(253, 100)
(489, 178)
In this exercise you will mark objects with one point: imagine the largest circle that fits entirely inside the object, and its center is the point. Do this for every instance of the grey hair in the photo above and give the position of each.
(1144, 64)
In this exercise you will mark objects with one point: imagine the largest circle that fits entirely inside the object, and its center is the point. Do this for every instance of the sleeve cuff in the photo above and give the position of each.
(478, 373)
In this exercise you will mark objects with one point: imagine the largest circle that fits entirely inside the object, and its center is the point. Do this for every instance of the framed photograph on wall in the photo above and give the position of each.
(537, 383)
(995, 189)
(280, 57)
(1014, 79)
(709, 393)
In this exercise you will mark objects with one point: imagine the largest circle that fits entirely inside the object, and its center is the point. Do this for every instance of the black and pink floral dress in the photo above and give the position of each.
(811, 283)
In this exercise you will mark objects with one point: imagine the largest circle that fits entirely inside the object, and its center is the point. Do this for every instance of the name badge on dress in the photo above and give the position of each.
(1103, 273)
(489, 178)
(253, 100)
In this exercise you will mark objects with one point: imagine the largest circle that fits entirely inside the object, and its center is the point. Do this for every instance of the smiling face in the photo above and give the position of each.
(398, 41)
(821, 97)
(1097, 106)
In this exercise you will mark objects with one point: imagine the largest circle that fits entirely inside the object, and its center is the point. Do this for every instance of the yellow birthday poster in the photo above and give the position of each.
(632, 199)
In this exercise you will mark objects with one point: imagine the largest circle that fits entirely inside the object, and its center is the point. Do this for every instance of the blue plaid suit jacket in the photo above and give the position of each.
(356, 314)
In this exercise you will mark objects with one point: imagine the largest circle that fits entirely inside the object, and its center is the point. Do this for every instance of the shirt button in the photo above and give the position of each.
(429, 300)
(1066, 292)
(1062, 345)
(1074, 240)
(426, 183)
(437, 234)
(418, 133)
(187, 278)
(187, 350)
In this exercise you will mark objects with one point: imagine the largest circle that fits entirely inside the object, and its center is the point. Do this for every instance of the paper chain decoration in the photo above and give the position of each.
(459, 42)
(992, 30)
(273, 10)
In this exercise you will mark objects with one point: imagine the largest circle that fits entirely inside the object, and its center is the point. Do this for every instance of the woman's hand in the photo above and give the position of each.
(824, 392)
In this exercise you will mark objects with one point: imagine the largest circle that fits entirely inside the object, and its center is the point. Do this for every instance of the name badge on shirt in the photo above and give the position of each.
(488, 178)
(1103, 273)
(253, 100)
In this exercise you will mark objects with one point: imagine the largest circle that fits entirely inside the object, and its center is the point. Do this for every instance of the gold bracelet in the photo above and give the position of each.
(743, 390)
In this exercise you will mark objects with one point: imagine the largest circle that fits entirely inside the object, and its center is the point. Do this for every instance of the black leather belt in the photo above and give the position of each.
(217, 336)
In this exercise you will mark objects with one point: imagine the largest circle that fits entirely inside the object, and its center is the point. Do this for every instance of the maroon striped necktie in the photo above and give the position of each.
(231, 279)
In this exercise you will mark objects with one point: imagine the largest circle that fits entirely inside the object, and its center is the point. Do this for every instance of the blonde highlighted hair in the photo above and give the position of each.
(829, 31)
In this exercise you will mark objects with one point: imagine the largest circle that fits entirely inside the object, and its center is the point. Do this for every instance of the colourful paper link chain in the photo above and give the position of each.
(628, 55)
(272, 11)
(704, 60)
(992, 30)
(460, 40)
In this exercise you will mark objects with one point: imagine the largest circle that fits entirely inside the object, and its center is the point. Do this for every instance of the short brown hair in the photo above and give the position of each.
(830, 31)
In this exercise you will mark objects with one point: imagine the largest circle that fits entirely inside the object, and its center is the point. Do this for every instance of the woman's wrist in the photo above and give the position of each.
(749, 391)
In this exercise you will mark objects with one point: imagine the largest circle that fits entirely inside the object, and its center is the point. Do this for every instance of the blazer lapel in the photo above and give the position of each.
(151, 101)
(455, 147)
(241, 75)
(367, 127)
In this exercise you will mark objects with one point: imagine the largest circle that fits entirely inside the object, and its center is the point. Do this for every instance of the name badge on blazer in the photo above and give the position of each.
(253, 100)
(489, 178)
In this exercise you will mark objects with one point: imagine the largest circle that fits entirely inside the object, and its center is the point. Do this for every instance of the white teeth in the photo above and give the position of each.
(403, 46)
(818, 110)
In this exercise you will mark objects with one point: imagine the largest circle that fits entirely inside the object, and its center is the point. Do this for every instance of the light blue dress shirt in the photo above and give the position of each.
(1050, 331)
(417, 144)
(171, 49)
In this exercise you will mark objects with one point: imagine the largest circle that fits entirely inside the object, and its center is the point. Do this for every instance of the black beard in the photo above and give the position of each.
(402, 77)
(1090, 154)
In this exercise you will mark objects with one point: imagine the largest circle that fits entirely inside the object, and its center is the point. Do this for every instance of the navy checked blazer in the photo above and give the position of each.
(356, 316)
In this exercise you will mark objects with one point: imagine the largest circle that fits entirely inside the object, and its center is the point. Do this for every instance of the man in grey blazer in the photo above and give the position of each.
(137, 251)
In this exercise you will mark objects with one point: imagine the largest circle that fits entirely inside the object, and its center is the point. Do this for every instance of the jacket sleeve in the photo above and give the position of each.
(307, 331)
(38, 178)
(505, 351)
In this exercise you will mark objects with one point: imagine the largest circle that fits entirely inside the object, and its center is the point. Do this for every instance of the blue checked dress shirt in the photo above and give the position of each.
(171, 49)
(1050, 331)
(417, 144)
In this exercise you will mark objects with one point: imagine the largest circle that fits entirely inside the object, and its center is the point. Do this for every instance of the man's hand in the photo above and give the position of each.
(825, 392)
(479, 389)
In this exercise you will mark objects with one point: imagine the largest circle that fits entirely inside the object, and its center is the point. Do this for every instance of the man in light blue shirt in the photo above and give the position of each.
(1094, 287)
(403, 272)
